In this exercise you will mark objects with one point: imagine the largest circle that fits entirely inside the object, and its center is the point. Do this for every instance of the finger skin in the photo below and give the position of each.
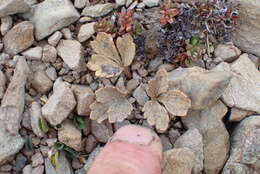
(132, 150)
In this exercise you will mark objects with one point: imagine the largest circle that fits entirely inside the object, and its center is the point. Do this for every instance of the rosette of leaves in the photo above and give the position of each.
(168, 14)
(110, 58)
(111, 104)
(165, 103)
(194, 47)
(125, 21)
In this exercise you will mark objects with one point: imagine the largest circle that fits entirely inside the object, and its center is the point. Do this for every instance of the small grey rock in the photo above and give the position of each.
(91, 143)
(35, 114)
(102, 131)
(33, 53)
(41, 82)
(80, 3)
(49, 54)
(9, 7)
(6, 24)
(27, 169)
(227, 52)
(86, 31)
(37, 159)
(98, 10)
(140, 95)
(67, 33)
(38, 170)
(55, 38)
(51, 73)
(20, 162)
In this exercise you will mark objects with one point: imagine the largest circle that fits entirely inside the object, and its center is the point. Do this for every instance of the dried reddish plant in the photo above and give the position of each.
(168, 14)
(125, 21)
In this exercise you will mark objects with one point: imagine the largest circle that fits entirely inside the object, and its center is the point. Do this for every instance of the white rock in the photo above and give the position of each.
(49, 54)
(33, 53)
(35, 114)
(67, 33)
(51, 73)
(70, 136)
(80, 3)
(6, 24)
(151, 3)
(52, 15)
(128, 2)
(227, 52)
(86, 31)
(71, 51)
(85, 97)
(243, 92)
(37, 159)
(98, 10)
(120, 2)
(9, 7)
(59, 105)
(55, 38)
(2, 84)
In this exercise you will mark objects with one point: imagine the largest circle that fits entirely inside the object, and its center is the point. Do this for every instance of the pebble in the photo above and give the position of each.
(49, 54)
(37, 159)
(101, 131)
(70, 136)
(41, 82)
(140, 95)
(71, 51)
(87, 129)
(6, 168)
(174, 135)
(120, 2)
(6, 24)
(76, 164)
(132, 84)
(86, 31)
(151, 3)
(10, 7)
(27, 169)
(237, 115)
(20, 162)
(90, 144)
(33, 53)
(80, 3)
(98, 10)
(51, 73)
(57, 15)
(227, 52)
(35, 114)
(84, 97)
(2, 84)
(55, 38)
(19, 38)
(59, 105)
(38, 170)
(67, 33)
(167, 145)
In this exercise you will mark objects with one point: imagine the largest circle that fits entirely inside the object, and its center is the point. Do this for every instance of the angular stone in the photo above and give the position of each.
(120, 2)
(227, 52)
(238, 114)
(2, 84)
(151, 3)
(245, 142)
(215, 136)
(9, 7)
(167, 145)
(71, 51)
(37, 159)
(35, 114)
(33, 53)
(86, 31)
(80, 3)
(27, 169)
(178, 161)
(20, 162)
(85, 97)
(140, 95)
(13, 100)
(101, 131)
(70, 136)
(189, 81)
(91, 142)
(67, 33)
(52, 15)
(6, 24)
(41, 82)
(243, 92)
(59, 105)
(55, 38)
(19, 38)
(98, 10)
(193, 140)
(64, 166)
(51, 73)
(49, 54)
(38, 170)
(247, 33)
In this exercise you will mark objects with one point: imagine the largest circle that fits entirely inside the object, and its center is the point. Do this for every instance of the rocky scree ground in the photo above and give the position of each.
(73, 72)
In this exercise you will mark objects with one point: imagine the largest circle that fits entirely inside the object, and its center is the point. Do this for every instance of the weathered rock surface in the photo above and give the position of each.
(59, 105)
(245, 142)
(19, 38)
(41, 82)
(6, 24)
(9, 7)
(215, 135)
(101, 131)
(98, 10)
(52, 15)
(86, 31)
(140, 95)
(227, 52)
(247, 33)
(238, 114)
(13, 100)
(151, 3)
(70, 136)
(193, 140)
(64, 166)
(33, 53)
(244, 89)
(178, 161)
(49, 54)
(55, 38)
(35, 114)
(71, 51)
(189, 81)
(2, 84)
(85, 97)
